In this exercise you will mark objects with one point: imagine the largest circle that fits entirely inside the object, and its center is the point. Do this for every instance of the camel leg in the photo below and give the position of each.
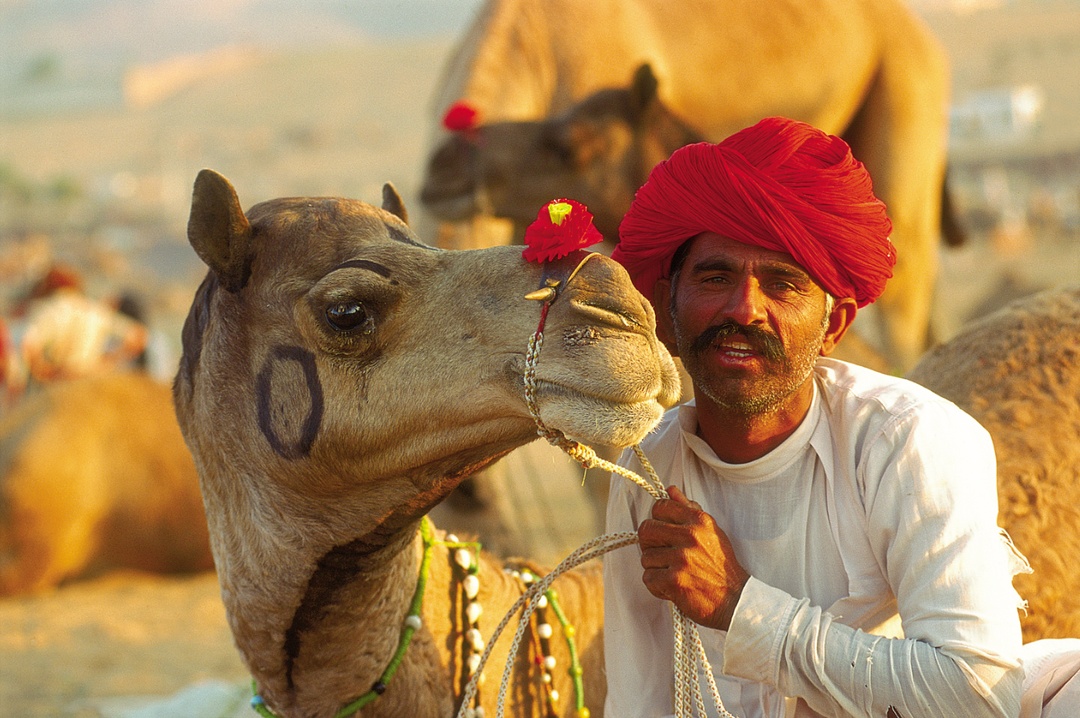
(900, 134)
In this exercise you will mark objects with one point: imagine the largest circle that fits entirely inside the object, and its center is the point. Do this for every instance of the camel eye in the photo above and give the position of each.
(347, 316)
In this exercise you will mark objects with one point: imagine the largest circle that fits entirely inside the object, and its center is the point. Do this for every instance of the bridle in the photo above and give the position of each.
(551, 289)
(689, 651)
(690, 655)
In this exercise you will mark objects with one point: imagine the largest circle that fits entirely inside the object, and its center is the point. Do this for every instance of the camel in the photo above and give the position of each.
(95, 476)
(722, 67)
(598, 151)
(1017, 371)
(338, 379)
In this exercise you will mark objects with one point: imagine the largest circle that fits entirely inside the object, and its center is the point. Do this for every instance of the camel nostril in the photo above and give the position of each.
(580, 336)
(617, 316)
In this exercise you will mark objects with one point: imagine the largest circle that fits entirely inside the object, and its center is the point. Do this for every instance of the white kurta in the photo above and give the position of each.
(879, 576)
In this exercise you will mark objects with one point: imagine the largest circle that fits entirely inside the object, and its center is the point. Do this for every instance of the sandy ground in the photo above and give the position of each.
(138, 646)
(85, 648)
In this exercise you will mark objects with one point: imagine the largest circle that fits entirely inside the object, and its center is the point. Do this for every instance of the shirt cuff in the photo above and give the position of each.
(756, 636)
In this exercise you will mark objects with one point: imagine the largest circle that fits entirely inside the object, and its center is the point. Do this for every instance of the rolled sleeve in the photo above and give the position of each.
(755, 639)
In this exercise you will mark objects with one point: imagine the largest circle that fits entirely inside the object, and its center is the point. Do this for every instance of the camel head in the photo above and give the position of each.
(339, 378)
(598, 151)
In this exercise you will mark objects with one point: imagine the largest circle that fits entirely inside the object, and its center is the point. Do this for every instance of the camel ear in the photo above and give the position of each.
(218, 230)
(392, 203)
(643, 89)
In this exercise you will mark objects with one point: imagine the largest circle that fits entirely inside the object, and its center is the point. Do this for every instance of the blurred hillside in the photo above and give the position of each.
(1028, 53)
(108, 109)
(108, 189)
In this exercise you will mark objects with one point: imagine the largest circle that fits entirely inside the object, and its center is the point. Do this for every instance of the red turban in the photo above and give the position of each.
(780, 184)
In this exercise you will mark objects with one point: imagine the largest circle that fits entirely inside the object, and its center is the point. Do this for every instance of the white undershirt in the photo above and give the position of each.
(769, 511)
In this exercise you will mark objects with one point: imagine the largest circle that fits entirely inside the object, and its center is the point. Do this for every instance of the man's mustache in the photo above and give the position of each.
(760, 341)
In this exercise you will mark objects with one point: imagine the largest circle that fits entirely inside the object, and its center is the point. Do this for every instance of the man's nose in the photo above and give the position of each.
(746, 303)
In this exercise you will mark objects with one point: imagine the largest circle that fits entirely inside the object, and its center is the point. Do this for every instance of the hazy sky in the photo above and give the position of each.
(147, 30)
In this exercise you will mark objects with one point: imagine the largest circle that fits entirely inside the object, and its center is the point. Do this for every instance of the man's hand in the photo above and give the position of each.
(689, 561)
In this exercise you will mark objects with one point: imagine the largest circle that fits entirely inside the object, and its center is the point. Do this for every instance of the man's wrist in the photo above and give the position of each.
(721, 620)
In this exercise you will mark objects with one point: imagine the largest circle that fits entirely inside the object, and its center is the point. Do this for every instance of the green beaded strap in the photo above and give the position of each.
(575, 669)
(412, 624)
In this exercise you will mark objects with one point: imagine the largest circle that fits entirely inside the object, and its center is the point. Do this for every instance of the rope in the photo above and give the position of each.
(689, 650)
(690, 654)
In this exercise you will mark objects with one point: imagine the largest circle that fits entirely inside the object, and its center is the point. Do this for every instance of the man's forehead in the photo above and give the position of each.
(713, 251)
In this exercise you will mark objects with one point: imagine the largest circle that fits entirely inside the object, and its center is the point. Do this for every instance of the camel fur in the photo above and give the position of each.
(95, 476)
(885, 89)
(339, 378)
(1018, 372)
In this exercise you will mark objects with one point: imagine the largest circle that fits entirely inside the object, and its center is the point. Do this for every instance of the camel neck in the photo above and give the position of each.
(323, 643)
(413, 622)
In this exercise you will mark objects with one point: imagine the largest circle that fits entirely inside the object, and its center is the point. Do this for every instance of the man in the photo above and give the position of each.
(68, 335)
(832, 529)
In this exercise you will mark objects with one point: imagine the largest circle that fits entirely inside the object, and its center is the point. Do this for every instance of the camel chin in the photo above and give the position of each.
(591, 421)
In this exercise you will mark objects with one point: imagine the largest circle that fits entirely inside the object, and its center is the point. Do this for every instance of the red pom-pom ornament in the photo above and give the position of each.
(461, 117)
(561, 227)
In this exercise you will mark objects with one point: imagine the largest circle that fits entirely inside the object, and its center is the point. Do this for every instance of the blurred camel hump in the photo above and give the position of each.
(720, 67)
(1018, 372)
(94, 477)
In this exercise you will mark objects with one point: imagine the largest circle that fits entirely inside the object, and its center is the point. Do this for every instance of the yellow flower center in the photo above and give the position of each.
(558, 211)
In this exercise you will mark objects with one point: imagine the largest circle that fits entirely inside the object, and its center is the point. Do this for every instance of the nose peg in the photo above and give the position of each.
(543, 294)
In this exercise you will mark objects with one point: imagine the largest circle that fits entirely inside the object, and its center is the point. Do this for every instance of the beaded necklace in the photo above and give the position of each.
(466, 554)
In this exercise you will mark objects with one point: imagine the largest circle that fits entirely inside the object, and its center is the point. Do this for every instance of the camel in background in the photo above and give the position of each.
(869, 71)
(339, 378)
(599, 151)
(1017, 371)
(95, 477)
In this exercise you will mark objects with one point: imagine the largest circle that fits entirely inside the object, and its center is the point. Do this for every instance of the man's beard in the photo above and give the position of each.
(787, 373)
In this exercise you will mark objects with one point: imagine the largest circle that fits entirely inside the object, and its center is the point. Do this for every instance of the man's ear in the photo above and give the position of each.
(665, 326)
(843, 314)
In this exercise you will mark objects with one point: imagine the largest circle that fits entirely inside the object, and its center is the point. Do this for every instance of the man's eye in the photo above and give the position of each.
(717, 279)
